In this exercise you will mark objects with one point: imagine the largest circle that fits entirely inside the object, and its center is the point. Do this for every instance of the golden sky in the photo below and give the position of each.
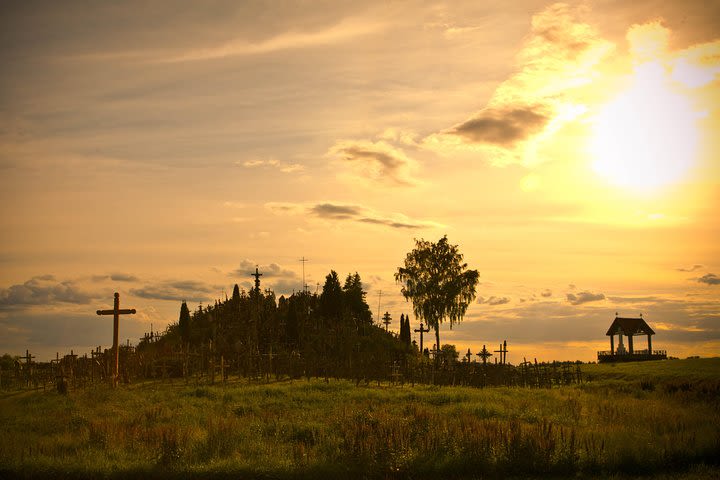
(162, 150)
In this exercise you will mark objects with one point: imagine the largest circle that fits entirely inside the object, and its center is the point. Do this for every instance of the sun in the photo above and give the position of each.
(646, 138)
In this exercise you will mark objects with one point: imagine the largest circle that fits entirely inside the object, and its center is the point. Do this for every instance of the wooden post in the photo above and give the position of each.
(649, 345)
(116, 312)
(630, 344)
(612, 344)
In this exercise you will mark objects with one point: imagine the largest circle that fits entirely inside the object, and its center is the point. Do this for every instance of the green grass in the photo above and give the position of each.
(614, 425)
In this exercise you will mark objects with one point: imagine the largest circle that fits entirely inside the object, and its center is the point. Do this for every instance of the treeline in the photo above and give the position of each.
(327, 334)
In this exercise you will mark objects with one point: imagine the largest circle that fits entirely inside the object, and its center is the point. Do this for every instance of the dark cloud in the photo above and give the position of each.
(584, 297)
(122, 277)
(337, 212)
(44, 290)
(175, 290)
(362, 215)
(546, 293)
(502, 126)
(493, 300)
(709, 279)
(695, 267)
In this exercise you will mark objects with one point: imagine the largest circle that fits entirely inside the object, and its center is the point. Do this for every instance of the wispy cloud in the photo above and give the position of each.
(377, 161)
(694, 268)
(532, 104)
(350, 212)
(281, 166)
(175, 290)
(336, 34)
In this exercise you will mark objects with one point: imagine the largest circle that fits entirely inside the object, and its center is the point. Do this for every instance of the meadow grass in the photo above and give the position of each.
(613, 425)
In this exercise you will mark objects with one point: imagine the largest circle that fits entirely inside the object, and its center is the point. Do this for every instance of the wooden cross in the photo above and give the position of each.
(116, 312)
(468, 356)
(503, 352)
(386, 320)
(484, 354)
(257, 276)
(421, 331)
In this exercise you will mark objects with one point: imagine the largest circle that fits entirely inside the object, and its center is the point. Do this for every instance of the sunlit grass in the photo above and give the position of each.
(614, 424)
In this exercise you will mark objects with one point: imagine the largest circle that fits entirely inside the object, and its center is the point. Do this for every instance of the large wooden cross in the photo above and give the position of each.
(116, 312)
(421, 330)
(503, 352)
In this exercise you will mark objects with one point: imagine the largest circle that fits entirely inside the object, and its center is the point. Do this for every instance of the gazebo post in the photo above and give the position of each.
(612, 344)
(649, 344)
(630, 344)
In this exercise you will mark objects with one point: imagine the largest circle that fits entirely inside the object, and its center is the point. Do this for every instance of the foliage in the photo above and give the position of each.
(308, 429)
(438, 283)
(184, 322)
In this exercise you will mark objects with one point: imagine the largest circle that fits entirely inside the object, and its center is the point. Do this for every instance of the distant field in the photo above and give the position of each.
(657, 419)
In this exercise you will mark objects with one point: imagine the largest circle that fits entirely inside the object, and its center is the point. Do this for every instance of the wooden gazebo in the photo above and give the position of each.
(629, 327)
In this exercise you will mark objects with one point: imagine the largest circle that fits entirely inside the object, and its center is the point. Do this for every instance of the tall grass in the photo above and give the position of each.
(305, 429)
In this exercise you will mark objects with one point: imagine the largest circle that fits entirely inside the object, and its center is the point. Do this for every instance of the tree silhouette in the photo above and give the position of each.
(184, 323)
(438, 283)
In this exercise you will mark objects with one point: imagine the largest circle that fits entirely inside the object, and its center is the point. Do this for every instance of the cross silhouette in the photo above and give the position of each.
(484, 354)
(421, 331)
(116, 312)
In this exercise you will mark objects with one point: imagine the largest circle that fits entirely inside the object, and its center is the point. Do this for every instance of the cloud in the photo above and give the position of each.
(175, 290)
(493, 300)
(122, 277)
(272, 270)
(342, 31)
(695, 267)
(709, 279)
(377, 161)
(44, 290)
(531, 105)
(281, 166)
(502, 125)
(349, 212)
(546, 293)
(584, 297)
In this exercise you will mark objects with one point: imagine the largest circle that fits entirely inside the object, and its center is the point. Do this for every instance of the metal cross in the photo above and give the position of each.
(484, 354)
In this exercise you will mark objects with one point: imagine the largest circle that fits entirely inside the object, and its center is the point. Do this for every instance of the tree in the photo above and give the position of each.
(331, 298)
(184, 323)
(438, 283)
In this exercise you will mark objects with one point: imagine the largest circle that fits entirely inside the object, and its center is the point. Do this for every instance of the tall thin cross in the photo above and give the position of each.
(484, 354)
(421, 330)
(257, 276)
(379, 298)
(386, 320)
(303, 260)
(116, 312)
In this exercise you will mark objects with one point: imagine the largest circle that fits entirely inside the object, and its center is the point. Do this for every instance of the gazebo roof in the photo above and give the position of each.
(630, 326)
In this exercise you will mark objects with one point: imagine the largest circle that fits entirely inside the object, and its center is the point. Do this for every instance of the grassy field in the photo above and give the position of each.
(656, 419)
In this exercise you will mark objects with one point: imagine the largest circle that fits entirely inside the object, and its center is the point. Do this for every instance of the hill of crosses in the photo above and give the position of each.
(255, 334)
(332, 334)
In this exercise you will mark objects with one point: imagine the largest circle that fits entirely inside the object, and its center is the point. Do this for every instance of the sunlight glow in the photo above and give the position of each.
(646, 138)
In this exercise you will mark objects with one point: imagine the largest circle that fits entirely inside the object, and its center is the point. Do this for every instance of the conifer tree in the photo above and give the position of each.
(184, 323)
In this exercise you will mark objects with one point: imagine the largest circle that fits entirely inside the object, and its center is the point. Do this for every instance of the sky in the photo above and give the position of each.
(164, 149)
